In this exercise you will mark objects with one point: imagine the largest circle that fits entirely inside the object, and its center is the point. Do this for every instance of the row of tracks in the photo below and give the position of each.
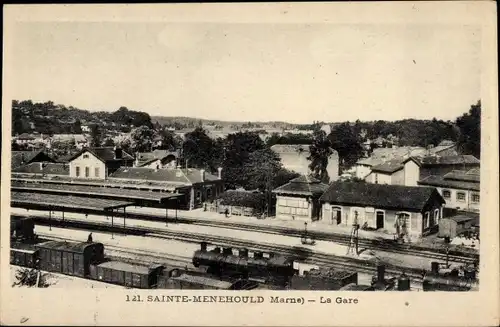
(372, 244)
(299, 253)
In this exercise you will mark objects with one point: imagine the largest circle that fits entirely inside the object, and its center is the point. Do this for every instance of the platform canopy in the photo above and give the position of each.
(63, 202)
(107, 192)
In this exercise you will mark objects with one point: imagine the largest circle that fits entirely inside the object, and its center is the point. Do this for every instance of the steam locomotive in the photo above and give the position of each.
(273, 269)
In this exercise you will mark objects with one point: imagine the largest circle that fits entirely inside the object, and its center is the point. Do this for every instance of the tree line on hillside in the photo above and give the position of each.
(49, 118)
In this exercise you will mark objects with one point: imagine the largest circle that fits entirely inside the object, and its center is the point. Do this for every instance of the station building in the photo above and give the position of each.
(412, 211)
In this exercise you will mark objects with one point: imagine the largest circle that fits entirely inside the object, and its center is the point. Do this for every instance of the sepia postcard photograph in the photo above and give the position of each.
(299, 164)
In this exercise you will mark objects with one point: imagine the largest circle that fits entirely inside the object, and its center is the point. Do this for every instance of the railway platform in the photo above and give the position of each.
(192, 230)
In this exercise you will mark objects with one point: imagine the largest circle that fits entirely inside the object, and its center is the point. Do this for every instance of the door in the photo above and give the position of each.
(380, 219)
(336, 216)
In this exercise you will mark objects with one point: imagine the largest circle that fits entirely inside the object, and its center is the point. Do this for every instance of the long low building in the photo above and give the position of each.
(402, 210)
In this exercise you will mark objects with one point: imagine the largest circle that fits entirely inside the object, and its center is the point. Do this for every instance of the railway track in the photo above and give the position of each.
(392, 247)
(298, 253)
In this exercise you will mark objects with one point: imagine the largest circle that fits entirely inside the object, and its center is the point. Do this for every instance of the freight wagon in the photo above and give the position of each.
(22, 229)
(194, 282)
(126, 274)
(24, 255)
(326, 279)
(70, 258)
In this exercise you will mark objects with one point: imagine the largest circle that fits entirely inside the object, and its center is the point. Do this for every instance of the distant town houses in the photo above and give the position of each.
(295, 158)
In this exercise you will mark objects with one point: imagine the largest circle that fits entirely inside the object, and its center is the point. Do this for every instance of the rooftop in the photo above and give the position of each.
(174, 175)
(201, 280)
(106, 154)
(302, 185)
(64, 201)
(20, 157)
(48, 168)
(390, 166)
(454, 179)
(110, 192)
(397, 197)
(78, 247)
(124, 266)
(289, 148)
(448, 160)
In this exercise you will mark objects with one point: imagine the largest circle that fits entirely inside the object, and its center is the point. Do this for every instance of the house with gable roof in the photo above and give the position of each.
(98, 163)
(299, 198)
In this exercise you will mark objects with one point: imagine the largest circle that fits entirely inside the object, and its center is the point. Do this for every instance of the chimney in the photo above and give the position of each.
(204, 246)
(220, 172)
(243, 253)
(118, 153)
(381, 274)
(202, 174)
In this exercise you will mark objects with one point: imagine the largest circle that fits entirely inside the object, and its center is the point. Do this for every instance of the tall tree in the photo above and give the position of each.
(469, 125)
(95, 134)
(141, 139)
(347, 143)
(199, 150)
(320, 152)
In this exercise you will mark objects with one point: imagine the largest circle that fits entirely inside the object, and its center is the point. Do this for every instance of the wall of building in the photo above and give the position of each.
(411, 173)
(379, 178)
(362, 171)
(298, 162)
(87, 161)
(398, 177)
(466, 204)
(288, 207)
(368, 216)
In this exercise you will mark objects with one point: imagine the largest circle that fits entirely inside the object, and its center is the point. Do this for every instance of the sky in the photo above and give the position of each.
(291, 72)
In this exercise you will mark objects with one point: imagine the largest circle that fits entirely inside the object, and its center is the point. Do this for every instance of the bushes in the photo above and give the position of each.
(242, 199)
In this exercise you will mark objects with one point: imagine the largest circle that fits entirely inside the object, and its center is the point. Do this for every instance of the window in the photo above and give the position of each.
(446, 194)
(426, 219)
(77, 171)
(96, 171)
(87, 172)
(376, 178)
(209, 192)
(85, 156)
(436, 217)
(198, 195)
(475, 198)
(461, 196)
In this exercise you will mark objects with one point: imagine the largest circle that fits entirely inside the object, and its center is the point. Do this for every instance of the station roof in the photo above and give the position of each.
(122, 184)
(65, 202)
(109, 192)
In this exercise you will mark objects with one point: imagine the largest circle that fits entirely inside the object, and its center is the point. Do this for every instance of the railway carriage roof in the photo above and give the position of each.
(76, 247)
(203, 281)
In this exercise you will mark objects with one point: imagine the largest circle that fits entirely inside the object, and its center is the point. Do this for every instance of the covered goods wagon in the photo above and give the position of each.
(70, 258)
(126, 274)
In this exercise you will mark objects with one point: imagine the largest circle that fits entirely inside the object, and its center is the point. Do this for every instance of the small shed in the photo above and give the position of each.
(300, 198)
(452, 226)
